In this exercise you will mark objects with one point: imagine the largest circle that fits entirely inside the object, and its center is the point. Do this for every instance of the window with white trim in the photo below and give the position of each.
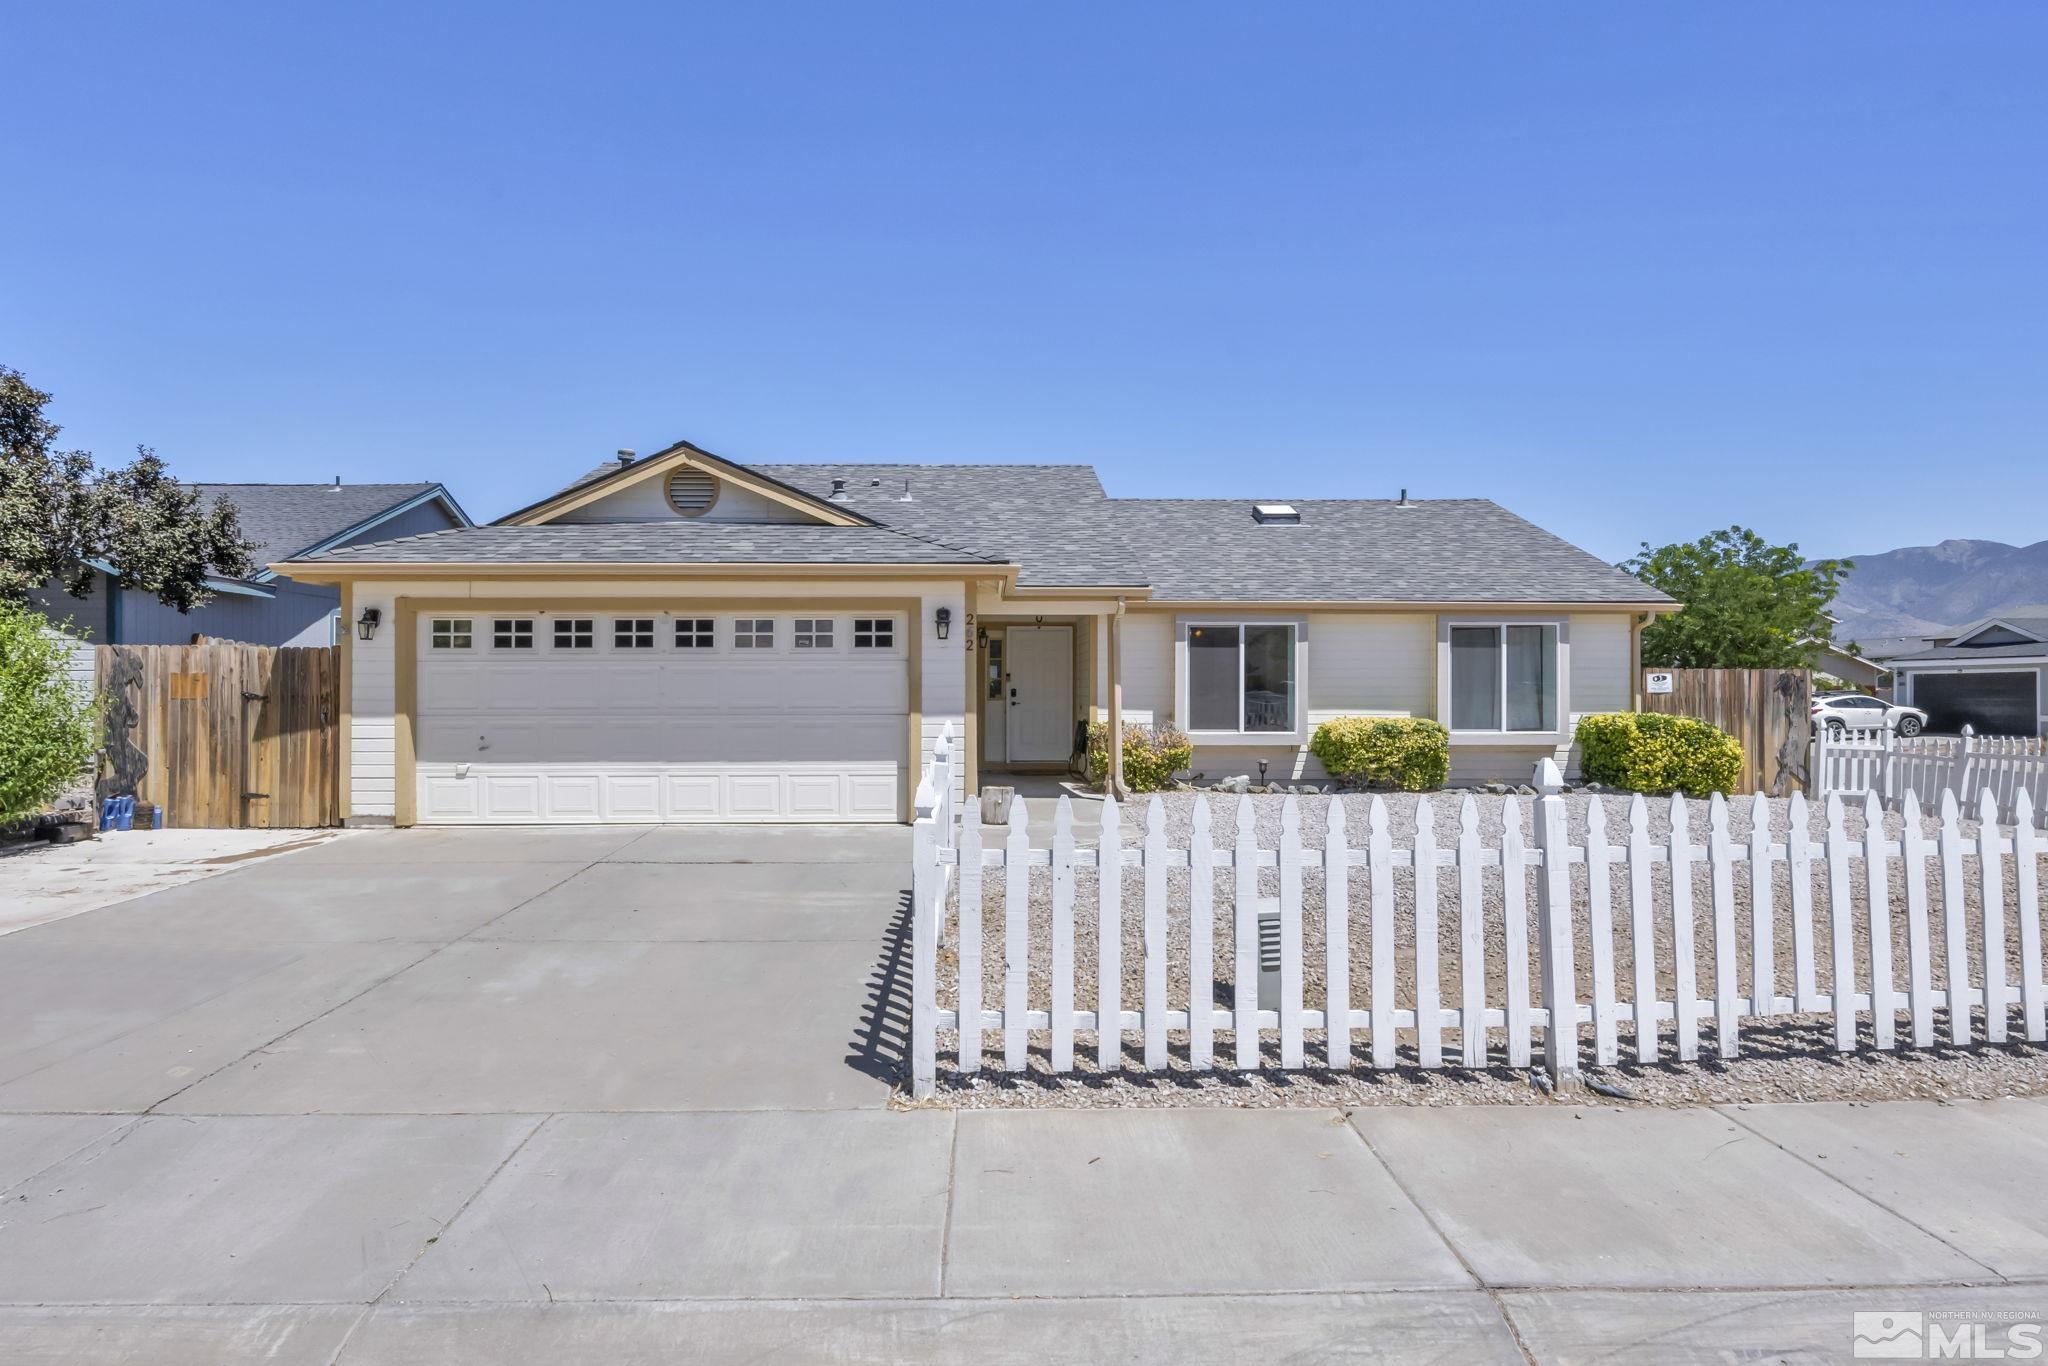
(753, 633)
(874, 633)
(694, 633)
(512, 633)
(811, 633)
(575, 633)
(451, 633)
(632, 633)
(1504, 677)
(1241, 677)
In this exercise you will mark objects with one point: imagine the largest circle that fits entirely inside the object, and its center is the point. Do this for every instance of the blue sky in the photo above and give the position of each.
(1635, 271)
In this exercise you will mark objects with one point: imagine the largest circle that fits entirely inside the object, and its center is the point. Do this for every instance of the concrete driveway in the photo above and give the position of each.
(618, 1096)
(461, 972)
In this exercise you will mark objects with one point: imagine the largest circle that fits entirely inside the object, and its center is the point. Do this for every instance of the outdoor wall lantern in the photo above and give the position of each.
(944, 621)
(366, 624)
(981, 638)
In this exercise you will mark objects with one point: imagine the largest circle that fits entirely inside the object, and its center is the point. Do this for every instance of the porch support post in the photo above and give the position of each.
(1116, 703)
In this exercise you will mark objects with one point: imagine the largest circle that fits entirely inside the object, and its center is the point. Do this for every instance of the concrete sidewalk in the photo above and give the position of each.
(620, 1096)
(1185, 1236)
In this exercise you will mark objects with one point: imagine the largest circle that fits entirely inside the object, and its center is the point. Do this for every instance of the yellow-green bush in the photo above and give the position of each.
(1651, 752)
(1410, 753)
(1152, 755)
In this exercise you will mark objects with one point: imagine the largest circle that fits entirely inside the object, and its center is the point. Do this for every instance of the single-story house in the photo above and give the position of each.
(1991, 675)
(683, 638)
(266, 608)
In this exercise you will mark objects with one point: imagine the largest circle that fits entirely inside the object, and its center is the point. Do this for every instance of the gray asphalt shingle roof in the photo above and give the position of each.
(284, 519)
(673, 542)
(1058, 525)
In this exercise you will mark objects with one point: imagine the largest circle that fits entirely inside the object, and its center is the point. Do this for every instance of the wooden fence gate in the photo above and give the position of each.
(1768, 711)
(224, 734)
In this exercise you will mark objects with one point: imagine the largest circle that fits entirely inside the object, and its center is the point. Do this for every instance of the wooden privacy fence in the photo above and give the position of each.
(223, 734)
(1635, 886)
(1768, 711)
(1926, 766)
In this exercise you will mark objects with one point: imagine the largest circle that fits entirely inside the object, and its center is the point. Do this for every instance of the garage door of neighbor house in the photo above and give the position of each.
(1994, 703)
(546, 717)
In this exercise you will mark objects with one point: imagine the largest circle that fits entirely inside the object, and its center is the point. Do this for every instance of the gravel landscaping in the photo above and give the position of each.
(1781, 1058)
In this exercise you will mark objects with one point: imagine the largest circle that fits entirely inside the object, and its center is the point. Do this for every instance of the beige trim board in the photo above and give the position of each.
(310, 572)
(344, 719)
(407, 610)
(1324, 605)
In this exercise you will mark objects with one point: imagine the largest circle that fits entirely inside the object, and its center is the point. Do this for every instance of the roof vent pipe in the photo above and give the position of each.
(906, 492)
(1404, 503)
(625, 457)
(337, 483)
(839, 488)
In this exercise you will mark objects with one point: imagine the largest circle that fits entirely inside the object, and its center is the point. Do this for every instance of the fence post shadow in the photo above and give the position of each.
(880, 1046)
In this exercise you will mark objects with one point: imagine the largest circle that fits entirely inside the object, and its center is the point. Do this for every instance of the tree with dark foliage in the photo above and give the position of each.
(59, 512)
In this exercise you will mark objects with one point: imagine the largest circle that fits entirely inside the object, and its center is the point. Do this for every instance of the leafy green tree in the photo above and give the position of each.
(58, 512)
(1748, 604)
(47, 725)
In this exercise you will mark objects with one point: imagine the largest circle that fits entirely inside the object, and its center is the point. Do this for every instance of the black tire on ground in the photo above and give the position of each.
(1909, 726)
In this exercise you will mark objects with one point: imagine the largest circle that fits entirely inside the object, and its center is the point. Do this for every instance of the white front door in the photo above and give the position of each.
(1041, 694)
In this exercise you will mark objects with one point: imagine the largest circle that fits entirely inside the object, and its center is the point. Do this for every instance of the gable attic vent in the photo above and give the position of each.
(691, 490)
(1270, 513)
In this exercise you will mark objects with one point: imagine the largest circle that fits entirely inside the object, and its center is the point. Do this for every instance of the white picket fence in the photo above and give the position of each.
(994, 860)
(1891, 765)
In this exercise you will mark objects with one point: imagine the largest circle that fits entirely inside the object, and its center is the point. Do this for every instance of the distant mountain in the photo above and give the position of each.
(1926, 589)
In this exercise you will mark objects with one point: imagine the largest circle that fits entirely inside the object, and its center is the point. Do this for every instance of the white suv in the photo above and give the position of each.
(1845, 711)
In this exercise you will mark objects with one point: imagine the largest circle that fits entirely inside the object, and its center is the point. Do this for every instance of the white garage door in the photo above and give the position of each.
(526, 718)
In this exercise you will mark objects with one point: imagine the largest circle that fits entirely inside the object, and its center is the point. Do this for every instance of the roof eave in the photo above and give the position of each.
(347, 571)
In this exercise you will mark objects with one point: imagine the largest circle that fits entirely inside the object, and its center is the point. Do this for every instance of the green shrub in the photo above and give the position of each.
(1411, 753)
(1152, 755)
(47, 730)
(1651, 752)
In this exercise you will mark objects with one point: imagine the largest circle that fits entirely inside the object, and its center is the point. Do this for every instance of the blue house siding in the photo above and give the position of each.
(282, 612)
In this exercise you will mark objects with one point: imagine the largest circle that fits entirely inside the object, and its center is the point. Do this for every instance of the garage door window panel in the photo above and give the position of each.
(753, 633)
(512, 633)
(696, 633)
(874, 633)
(451, 633)
(812, 633)
(575, 633)
(633, 633)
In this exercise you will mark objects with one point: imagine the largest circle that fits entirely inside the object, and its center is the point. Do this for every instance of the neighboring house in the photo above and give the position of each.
(682, 638)
(283, 520)
(1853, 669)
(1991, 675)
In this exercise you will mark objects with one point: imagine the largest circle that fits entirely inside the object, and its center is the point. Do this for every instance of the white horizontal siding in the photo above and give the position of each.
(1371, 665)
(1600, 663)
(1146, 661)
